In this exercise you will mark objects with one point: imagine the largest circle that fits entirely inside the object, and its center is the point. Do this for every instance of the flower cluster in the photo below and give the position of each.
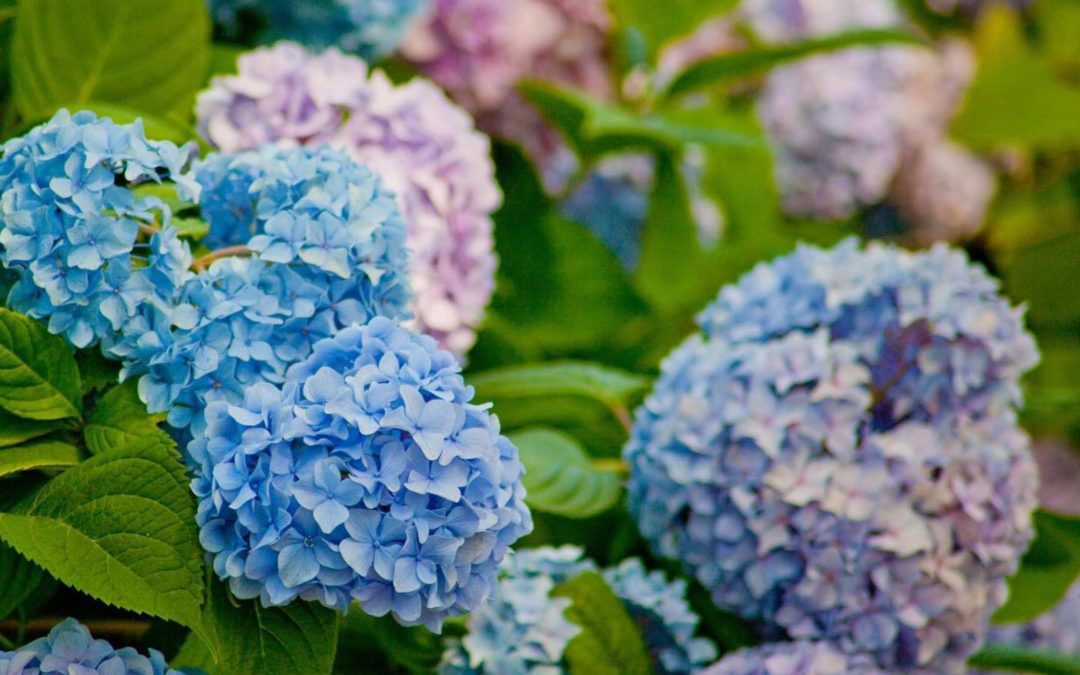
(69, 648)
(90, 253)
(327, 251)
(524, 629)
(837, 456)
(1056, 631)
(367, 476)
(792, 658)
(369, 28)
(479, 50)
(421, 144)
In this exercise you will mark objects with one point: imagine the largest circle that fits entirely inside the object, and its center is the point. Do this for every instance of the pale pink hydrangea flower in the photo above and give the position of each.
(425, 148)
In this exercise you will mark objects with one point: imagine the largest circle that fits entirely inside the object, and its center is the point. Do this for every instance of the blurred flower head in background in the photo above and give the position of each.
(1056, 631)
(69, 648)
(792, 658)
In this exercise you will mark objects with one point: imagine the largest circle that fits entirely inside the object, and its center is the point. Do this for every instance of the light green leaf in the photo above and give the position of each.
(119, 527)
(298, 639)
(661, 22)
(1012, 659)
(560, 479)
(610, 386)
(38, 376)
(1047, 570)
(41, 455)
(157, 128)
(142, 54)
(120, 420)
(610, 642)
(725, 67)
(15, 430)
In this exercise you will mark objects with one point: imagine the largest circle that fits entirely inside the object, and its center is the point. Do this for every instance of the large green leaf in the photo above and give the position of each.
(724, 67)
(39, 455)
(610, 642)
(143, 54)
(662, 22)
(1044, 276)
(119, 527)
(38, 376)
(298, 639)
(615, 388)
(22, 579)
(120, 420)
(1047, 570)
(1017, 660)
(15, 430)
(560, 479)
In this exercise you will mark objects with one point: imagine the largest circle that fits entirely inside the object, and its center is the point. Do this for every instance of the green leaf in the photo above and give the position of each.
(560, 479)
(611, 386)
(143, 54)
(40, 455)
(610, 642)
(300, 638)
(191, 228)
(1044, 276)
(22, 579)
(661, 22)
(724, 67)
(383, 645)
(120, 421)
(15, 430)
(168, 128)
(119, 527)
(1012, 659)
(38, 376)
(96, 371)
(1047, 570)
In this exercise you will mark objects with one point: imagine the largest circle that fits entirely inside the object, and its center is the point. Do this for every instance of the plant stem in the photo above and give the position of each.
(612, 464)
(204, 262)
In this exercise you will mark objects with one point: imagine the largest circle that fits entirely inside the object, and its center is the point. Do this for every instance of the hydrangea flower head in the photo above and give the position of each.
(369, 475)
(524, 629)
(85, 247)
(327, 250)
(791, 658)
(837, 457)
(69, 648)
(424, 147)
(368, 28)
(1055, 631)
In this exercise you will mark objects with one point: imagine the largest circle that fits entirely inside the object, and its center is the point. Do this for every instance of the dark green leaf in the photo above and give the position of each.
(1012, 659)
(119, 527)
(1044, 276)
(611, 386)
(371, 644)
(560, 479)
(610, 642)
(15, 430)
(39, 455)
(96, 371)
(1047, 570)
(120, 420)
(22, 579)
(725, 67)
(144, 54)
(38, 376)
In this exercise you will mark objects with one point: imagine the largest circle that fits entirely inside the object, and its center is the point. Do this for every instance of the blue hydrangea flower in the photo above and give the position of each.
(1055, 631)
(792, 658)
(368, 28)
(83, 244)
(524, 630)
(369, 476)
(69, 648)
(328, 251)
(837, 456)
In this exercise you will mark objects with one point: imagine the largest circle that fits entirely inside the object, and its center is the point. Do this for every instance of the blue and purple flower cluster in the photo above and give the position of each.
(793, 658)
(369, 476)
(837, 456)
(524, 630)
(69, 648)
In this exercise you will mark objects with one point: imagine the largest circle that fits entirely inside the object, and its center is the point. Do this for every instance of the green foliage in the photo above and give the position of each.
(382, 645)
(38, 376)
(560, 479)
(613, 387)
(661, 22)
(38, 455)
(249, 639)
(1052, 405)
(143, 54)
(120, 421)
(97, 372)
(119, 527)
(15, 430)
(22, 580)
(1047, 570)
(1012, 659)
(610, 642)
(1044, 276)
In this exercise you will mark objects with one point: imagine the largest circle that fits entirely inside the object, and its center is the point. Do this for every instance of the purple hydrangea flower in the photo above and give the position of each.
(69, 648)
(368, 475)
(837, 456)
(792, 658)
(423, 146)
(524, 630)
(80, 239)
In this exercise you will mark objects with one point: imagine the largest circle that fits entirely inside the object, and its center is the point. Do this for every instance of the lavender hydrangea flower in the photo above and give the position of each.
(328, 251)
(69, 648)
(1056, 631)
(524, 629)
(423, 146)
(368, 475)
(837, 456)
(86, 247)
(368, 28)
(792, 658)
(479, 50)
